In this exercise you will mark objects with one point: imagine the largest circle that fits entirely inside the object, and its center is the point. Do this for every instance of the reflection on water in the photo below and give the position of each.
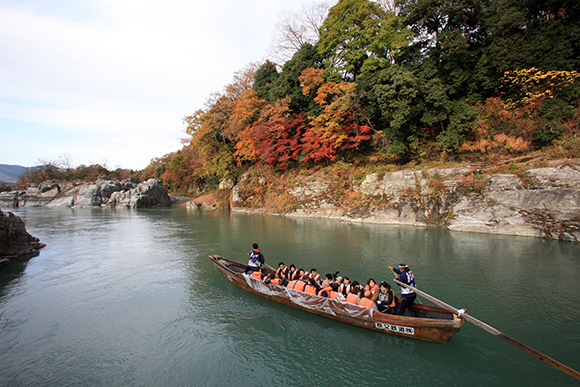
(127, 297)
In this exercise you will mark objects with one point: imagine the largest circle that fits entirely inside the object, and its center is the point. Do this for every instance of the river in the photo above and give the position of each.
(129, 298)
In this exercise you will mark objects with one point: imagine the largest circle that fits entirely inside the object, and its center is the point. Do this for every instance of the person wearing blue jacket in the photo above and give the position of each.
(405, 275)
(256, 259)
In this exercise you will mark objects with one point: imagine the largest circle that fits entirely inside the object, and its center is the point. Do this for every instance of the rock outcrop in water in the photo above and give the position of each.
(15, 241)
(102, 193)
(541, 202)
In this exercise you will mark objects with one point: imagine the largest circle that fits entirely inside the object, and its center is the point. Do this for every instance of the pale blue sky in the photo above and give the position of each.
(109, 81)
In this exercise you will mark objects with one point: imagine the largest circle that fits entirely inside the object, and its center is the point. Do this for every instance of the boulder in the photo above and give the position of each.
(148, 194)
(103, 192)
(15, 241)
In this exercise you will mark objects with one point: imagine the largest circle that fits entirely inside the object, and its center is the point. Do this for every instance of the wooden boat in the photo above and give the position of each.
(431, 323)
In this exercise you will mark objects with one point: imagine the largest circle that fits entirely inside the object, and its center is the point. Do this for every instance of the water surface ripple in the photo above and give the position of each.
(129, 298)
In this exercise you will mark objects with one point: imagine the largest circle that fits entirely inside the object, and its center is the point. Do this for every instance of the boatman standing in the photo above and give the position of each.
(256, 259)
(405, 275)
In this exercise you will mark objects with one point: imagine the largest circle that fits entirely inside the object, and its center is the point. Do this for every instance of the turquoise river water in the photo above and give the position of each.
(129, 298)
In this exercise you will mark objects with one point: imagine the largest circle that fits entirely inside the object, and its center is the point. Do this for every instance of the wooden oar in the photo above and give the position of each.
(269, 266)
(562, 367)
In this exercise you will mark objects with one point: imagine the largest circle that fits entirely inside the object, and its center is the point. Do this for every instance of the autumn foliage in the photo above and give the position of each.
(428, 81)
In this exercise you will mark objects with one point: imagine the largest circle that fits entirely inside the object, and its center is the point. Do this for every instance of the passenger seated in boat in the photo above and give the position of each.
(325, 289)
(355, 284)
(386, 303)
(373, 288)
(353, 296)
(257, 275)
(281, 281)
(336, 294)
(341, 285)
(366, 301)
(345, 286)
(312, 287)
(291, 272)
(315, 276)
(282, 270)
(301, 274)
(267, 278)
(329, 278)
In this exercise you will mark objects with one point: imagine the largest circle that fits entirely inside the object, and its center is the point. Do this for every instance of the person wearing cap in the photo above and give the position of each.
(405, 275)
(256, 259)
(386, 301)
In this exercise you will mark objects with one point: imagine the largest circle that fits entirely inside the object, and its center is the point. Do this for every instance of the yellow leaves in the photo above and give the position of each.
(536, 85)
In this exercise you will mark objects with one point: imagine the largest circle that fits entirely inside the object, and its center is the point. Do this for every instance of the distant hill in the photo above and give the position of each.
(9, 173)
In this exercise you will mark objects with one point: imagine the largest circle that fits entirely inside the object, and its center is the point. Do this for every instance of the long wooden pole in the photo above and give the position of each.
(562, 367)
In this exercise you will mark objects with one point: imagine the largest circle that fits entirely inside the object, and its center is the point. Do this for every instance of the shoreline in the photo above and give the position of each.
(539, 202)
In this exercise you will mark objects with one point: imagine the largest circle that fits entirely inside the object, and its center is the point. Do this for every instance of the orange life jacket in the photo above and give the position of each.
(297, 285)
(316, 277)
(366, 302)
(275, 281)
(310, 289)
(352, 298)
(394, 302)
(281, 272)
(327, 289)
(374, 289)
(333, 295)
(257, 275)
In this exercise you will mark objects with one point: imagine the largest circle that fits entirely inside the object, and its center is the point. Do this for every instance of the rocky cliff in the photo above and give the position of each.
(540, 202)
(15, 241)
(102, 193)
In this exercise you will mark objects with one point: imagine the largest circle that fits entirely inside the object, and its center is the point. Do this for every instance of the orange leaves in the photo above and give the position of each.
(501, 129)
(337, 129)
(310, 79)
(246, 111)
(326, 92)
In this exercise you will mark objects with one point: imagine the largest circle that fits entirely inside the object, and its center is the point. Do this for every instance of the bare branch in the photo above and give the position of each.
(295, 29)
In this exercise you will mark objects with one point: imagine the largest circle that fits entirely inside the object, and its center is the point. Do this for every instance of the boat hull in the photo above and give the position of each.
(437, 325)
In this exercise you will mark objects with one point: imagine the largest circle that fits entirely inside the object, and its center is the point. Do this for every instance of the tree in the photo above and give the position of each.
(265, 77)
(279, 137)
(214, 132)
(287, 84)
(296, 29)
(353, 32)
(337, 129)
(533, 33)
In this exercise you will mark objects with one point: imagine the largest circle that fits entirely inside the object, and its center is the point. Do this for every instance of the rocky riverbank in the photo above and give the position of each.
(15, 241)
(540, 202)
(102, 193)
